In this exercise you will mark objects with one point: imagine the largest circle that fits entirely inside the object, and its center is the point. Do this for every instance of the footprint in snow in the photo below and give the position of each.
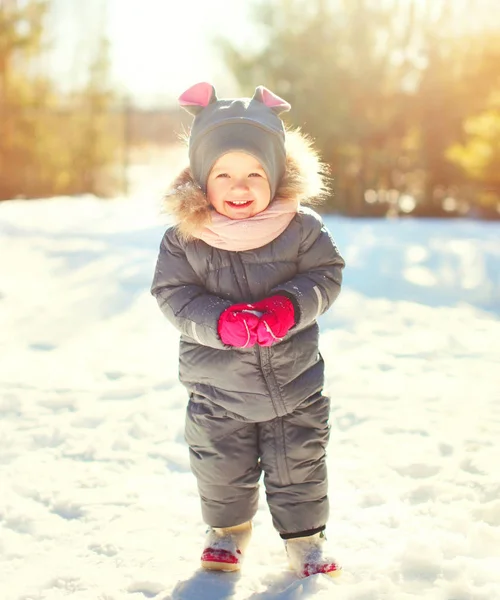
(149, 589)
(418, 470)
(42, 347)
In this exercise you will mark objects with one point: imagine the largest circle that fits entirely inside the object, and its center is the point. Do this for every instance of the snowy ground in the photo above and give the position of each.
(96, 498)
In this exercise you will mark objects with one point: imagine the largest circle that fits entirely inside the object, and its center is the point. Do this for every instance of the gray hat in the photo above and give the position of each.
(249, 125)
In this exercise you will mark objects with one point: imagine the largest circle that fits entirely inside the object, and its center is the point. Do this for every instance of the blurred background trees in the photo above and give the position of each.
(401, 96)
(51, 143)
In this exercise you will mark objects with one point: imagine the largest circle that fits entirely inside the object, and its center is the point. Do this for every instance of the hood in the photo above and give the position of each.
(305, 178)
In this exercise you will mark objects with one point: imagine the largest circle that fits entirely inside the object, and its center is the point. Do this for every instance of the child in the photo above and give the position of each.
(243, 274)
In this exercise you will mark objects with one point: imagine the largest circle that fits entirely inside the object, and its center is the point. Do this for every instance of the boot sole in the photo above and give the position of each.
(336, 573)
(219, 566)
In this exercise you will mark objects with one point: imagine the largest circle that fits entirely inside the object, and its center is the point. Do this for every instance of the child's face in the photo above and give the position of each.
(237, 186)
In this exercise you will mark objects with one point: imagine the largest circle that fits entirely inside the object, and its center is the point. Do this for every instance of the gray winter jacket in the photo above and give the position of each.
(194, 283)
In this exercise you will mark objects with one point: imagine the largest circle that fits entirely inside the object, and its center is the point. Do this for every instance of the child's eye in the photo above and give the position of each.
(255, 175)
(222, 175)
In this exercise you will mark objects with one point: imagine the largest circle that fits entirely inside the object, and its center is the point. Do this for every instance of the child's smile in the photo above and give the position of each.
(239, 202)
(239, 205)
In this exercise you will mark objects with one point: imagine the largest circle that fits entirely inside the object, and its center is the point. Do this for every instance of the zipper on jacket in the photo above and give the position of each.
(263, 353)
(239, 275)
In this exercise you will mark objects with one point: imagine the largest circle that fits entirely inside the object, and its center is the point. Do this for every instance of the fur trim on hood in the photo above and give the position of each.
(305, 177)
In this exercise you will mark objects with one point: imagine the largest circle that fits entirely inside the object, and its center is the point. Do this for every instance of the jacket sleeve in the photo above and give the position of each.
(317, 283)
(182, 297)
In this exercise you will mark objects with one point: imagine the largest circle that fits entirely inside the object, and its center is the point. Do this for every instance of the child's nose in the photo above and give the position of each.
(240, 184)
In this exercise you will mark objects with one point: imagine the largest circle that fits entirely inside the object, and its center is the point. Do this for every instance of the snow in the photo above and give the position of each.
(97, 501)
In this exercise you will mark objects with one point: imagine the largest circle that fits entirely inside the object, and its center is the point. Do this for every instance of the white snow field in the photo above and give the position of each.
(96, 498)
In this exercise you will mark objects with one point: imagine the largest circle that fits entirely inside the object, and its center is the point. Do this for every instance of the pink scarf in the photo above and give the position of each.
(248, 234)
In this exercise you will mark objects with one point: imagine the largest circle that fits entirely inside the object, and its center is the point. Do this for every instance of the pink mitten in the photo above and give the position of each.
(277, 319)
(237, 326)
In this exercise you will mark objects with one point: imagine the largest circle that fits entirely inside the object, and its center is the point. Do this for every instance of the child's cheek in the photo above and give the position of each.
(212, 192)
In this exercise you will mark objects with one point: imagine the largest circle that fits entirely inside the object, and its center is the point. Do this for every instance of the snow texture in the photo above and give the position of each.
(97, 501)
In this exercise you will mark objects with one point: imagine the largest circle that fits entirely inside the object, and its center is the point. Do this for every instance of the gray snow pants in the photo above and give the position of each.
(228, 455)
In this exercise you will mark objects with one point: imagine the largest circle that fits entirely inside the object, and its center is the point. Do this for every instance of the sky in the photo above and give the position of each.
(158, 47)
(97, 500)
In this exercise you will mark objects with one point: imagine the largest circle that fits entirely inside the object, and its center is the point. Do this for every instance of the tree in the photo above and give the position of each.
(20, 38)
(97, 130)
(51, 143)
(479, 154)
(460, 73)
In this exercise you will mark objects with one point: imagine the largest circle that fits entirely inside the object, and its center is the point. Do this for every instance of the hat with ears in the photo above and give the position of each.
(250, 125)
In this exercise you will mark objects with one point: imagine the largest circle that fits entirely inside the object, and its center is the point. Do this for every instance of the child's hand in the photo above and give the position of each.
(277, 319)
(238, 326)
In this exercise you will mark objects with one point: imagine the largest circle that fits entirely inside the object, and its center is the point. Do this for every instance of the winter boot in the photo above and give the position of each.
(225, 547)
(305, 555)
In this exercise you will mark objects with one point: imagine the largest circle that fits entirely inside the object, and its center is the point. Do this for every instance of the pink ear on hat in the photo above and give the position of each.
(271, 100)
(197, 97)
